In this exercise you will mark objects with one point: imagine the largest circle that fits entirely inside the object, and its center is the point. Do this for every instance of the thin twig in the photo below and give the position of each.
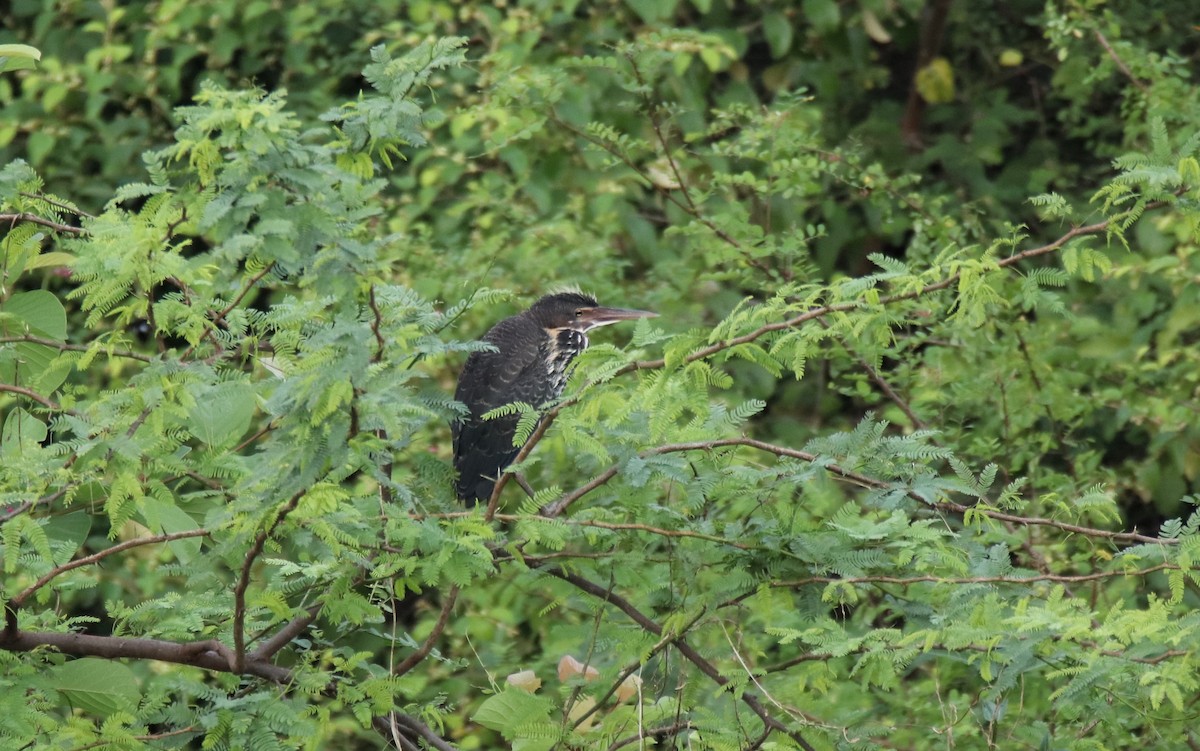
(243, 582)
(99, 556)
(57, 204)
(556, 507)
(220, 315)
(1117, 59)
(66, 347)
(909, 580)
(824, 310)
(426, 647)
(705, 667)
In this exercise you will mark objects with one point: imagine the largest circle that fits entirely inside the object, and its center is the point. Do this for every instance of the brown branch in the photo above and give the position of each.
(982, 648)
(143, 738)
(210, 654)
(13, 219)
(655, 732)
(57, 204)
(1103, 40)
(284, 635)
(239, 591)
(35, 396)
(426, 647)
(390, 725)
(376, 325)
(881, 382)
(666, 147)
(933, 27)
(20, 599)
(631, 527)
(538, 433)
(1035, 521)
(558, 506)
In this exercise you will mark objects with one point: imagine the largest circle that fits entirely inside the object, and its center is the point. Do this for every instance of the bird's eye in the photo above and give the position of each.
(578, 313)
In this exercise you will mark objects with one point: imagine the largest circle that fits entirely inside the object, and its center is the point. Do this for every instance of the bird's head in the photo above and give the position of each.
(575, 310)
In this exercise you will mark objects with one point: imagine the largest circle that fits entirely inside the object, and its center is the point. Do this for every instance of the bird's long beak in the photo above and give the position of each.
(594, 317)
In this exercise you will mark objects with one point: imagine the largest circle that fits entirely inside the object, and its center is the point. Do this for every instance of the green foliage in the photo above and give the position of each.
(909, 454)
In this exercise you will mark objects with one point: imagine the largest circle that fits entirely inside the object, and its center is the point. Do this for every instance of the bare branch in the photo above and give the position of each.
(35, 219)
(1103, 40)
(423, 651)
(211, 655)
(20, 599)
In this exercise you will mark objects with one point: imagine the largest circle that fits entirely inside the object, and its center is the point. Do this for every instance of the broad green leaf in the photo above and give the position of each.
(21, 427)
(40, 314)
(222, 413)
(69, 531)
(96, 686)
(18, 57)
(511, 709)
(777, 28)
(163, 517)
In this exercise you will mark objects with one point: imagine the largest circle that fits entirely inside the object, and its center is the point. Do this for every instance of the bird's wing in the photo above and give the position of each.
(482, 448)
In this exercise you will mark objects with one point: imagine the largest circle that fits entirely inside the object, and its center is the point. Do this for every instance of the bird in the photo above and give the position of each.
(532, 358)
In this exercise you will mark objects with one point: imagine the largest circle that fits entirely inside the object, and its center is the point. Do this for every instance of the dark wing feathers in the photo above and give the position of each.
(483, 448)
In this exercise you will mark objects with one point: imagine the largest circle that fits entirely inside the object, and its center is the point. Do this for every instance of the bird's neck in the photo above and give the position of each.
(565, 344)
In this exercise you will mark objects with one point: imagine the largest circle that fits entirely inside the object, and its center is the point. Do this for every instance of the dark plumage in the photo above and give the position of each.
(534, 353)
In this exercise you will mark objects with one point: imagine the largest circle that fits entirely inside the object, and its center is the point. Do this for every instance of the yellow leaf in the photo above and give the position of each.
(935, 82)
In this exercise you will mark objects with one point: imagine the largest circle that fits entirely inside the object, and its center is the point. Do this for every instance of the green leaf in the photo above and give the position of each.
(96, 686)
(68, 532)
(935, 82)
(164, 517)
(222, 413)
(18, 57)
(512, 709)
(822, 14)
(777, 28)
(38, 313)
(21, 427)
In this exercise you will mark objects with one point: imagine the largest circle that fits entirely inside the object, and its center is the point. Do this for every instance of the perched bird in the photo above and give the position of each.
(534, 351)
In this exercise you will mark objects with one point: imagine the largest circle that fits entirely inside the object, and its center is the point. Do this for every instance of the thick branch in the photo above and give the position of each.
(210, 655)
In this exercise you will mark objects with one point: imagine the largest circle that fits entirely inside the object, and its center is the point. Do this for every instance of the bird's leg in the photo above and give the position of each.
(520, 480)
